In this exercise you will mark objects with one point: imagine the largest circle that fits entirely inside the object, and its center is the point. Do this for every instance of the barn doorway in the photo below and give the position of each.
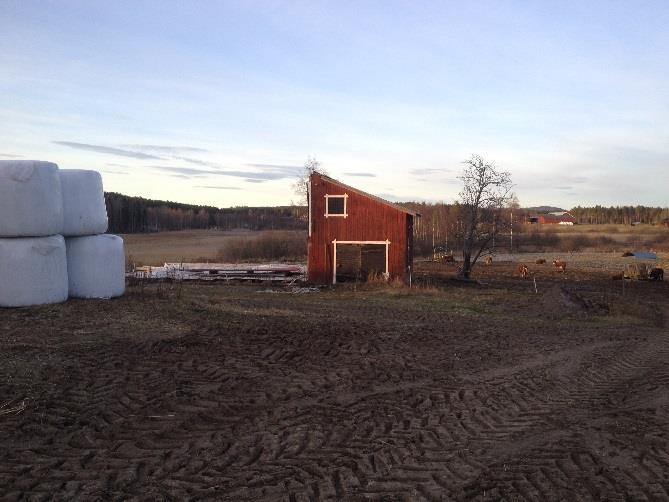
(357, 261)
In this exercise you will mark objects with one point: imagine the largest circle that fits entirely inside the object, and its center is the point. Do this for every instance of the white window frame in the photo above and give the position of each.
(334, 255)
(345, 197)
(309, 203)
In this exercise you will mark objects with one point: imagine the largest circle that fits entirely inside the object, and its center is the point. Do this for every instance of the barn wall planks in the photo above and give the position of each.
(368, 219)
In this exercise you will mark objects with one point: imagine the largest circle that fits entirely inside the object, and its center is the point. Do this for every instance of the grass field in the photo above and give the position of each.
(194, 245)
(603, 229)
(449, 391)
(211, 245)
(611, 238)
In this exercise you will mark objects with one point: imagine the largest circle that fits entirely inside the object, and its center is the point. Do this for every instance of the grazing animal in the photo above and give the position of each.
(522, 270)
(488, 260)
(656, 274)
(560, 265)
(540, 261)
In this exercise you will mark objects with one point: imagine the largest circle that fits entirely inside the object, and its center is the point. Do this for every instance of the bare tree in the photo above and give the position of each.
(301, 185)
(485, 193)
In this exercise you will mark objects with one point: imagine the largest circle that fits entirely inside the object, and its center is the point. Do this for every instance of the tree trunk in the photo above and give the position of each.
(466, 269)
(468, 244)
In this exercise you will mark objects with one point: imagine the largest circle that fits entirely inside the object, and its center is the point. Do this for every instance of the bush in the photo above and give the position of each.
(550, 239)
(658, 242)
(537, 241)
(575, 242)
(280, 245)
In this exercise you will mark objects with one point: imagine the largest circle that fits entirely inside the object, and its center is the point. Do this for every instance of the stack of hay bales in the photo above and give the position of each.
(33, 265)
(95, 260)
(51, 245)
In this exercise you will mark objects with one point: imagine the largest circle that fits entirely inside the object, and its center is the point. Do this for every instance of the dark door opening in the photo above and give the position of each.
(359, 262)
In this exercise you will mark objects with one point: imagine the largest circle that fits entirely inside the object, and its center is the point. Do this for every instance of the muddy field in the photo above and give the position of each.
(450, 391)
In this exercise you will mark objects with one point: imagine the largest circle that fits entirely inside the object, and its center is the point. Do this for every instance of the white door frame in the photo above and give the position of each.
(334, 254)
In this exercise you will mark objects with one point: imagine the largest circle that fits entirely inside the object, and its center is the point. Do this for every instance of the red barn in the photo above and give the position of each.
(353, 235)
(557, 218)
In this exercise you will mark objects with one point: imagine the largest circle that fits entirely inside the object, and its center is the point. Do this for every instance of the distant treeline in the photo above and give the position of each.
(439, 215)
(625, 215)
(439, 223)
(136, 215)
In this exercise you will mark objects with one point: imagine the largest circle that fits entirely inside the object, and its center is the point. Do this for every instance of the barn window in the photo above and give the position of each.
(335, 205)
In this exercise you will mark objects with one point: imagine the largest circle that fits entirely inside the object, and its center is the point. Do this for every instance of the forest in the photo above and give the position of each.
(129, 215)
(622, 215)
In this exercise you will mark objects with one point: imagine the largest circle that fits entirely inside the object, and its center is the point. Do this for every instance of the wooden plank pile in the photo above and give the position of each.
(248, 272)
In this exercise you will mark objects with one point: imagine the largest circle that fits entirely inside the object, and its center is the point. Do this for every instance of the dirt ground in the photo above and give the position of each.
(449, 391)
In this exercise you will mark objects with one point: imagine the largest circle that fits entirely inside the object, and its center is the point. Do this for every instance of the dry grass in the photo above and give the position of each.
(238, 245)
(393, 287)
(602, 229)
(189, 245)
(609, 238)
(278, 245)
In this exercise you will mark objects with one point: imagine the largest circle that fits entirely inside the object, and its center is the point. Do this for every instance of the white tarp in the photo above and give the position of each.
(84, 211)
(31, 202)
(96, 266)
(33, 271)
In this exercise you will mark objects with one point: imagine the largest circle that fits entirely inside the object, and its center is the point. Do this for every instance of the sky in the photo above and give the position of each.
(221, 103)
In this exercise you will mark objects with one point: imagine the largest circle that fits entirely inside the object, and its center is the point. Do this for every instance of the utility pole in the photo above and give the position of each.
(494, 233)
(511, 232)
(434, 249)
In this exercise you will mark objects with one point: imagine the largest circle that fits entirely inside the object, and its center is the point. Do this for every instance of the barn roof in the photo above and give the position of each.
(365, 194)
(555, 217)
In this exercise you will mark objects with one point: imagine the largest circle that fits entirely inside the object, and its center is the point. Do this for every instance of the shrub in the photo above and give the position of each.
(575, 243)
(658, 242)
(537, 241)
(270, 245)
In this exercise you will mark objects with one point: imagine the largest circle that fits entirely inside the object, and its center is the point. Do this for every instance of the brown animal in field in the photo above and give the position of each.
(656, 274)
(523, 270)
(617, 277)
(560, 265)
(488, 260)
(540, 261)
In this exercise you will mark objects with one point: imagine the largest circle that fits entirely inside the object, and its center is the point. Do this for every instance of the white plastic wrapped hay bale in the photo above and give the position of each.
(96, 266)
(31, 201)
(84, 211)
(33, 271)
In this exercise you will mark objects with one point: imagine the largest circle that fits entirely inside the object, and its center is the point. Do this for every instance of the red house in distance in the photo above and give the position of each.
(556, 218)
(353, 234)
